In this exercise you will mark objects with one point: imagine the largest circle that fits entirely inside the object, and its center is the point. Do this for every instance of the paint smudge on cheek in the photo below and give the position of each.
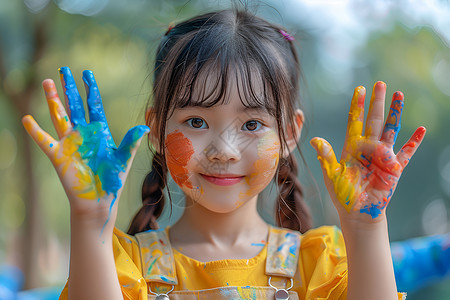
(265, 166)
(179, 151)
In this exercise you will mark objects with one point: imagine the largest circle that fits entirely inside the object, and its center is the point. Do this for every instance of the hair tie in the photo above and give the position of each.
(286, 35)
(171, 26)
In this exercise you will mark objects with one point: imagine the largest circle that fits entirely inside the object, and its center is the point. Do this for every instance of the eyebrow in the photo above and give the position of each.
(247, 108)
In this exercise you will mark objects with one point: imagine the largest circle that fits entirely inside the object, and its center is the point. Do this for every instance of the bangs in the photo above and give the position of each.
(204, 61)
(210, 83)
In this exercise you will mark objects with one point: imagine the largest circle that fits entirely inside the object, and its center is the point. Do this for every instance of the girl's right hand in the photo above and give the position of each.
(90, 166)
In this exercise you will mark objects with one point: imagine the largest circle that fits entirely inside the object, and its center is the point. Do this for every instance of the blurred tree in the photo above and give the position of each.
(20, 96)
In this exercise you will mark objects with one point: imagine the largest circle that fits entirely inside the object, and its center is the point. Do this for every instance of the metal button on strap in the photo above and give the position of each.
(281, 294)
(161, 296)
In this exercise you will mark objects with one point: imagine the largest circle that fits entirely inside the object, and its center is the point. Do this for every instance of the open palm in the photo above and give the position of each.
(90, 166)
(366, 177)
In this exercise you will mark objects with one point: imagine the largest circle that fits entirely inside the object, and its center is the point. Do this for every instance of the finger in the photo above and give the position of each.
(408, 150)
(42, 138)
(57, 111)
(130, 143)
(375, 116)
(94, 101)
(343, 188)
(356, 113)
(326, 156)
(392, 126)
(95, 105)
(73, 98)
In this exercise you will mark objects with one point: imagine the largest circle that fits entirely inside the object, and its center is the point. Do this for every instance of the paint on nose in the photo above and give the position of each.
(179, 151)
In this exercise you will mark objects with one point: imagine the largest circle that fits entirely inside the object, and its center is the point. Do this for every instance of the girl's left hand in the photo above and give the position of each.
(363, 183)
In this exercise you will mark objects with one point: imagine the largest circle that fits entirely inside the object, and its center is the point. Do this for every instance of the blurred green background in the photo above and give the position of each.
(342, 44)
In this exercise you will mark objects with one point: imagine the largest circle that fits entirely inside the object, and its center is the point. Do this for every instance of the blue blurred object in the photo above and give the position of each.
(421, 261)
(51, 293)
(11, 281)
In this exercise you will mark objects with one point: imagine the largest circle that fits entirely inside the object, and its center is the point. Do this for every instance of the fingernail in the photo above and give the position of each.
(398, 95)
(381, 83)
(143, 129)
(65, 71)
(315, 143)
(88, 77)
(66, 77)
(420, 133)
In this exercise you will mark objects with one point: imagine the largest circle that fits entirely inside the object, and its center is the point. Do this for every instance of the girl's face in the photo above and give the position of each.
(222, 156)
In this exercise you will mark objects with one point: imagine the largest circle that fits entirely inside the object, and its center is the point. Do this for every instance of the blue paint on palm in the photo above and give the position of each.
(106, 162)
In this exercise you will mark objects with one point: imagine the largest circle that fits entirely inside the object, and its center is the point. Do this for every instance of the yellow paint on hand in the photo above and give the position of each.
(62, 124)
(343, 178)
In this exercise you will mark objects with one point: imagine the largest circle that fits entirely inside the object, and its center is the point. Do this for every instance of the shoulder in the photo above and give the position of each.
(323, 263)
(328, 236)
(123, 240)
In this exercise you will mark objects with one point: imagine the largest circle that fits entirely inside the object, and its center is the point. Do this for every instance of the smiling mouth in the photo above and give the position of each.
(223, 179)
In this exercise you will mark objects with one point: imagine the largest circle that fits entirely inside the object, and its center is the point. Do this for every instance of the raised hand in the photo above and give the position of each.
(364, 181)
(90, 166)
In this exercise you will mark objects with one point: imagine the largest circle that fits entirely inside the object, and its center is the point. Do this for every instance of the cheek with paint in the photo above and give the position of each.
(268, 151)
(179, 151)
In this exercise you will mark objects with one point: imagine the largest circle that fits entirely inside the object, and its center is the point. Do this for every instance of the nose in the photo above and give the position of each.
(224, 148)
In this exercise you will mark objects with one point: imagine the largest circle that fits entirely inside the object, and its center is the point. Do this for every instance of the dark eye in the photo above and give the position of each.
(251, 125)
(197, 123)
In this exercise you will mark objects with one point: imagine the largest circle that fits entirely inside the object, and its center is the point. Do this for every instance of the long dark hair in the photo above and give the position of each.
(223, 43)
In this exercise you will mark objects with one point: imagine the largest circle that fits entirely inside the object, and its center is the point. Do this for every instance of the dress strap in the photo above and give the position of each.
(158, 264)
(282, 252)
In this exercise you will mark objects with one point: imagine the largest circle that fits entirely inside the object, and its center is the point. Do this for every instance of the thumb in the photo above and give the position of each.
(326, 156)
(131, 142)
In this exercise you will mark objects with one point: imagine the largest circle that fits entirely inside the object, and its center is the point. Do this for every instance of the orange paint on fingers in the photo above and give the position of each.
(411, 146)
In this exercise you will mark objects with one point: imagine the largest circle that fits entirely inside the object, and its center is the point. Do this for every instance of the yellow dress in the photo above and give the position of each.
(316, 261)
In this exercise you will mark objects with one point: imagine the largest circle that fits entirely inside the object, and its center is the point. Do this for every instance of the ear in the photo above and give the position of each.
(154, 132)
(293, 134)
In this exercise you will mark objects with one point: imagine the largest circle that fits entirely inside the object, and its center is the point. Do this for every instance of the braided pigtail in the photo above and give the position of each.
(152, 198)
(292, 211)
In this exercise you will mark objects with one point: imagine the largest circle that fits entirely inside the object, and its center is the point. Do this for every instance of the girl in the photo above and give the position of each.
(224, 122)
